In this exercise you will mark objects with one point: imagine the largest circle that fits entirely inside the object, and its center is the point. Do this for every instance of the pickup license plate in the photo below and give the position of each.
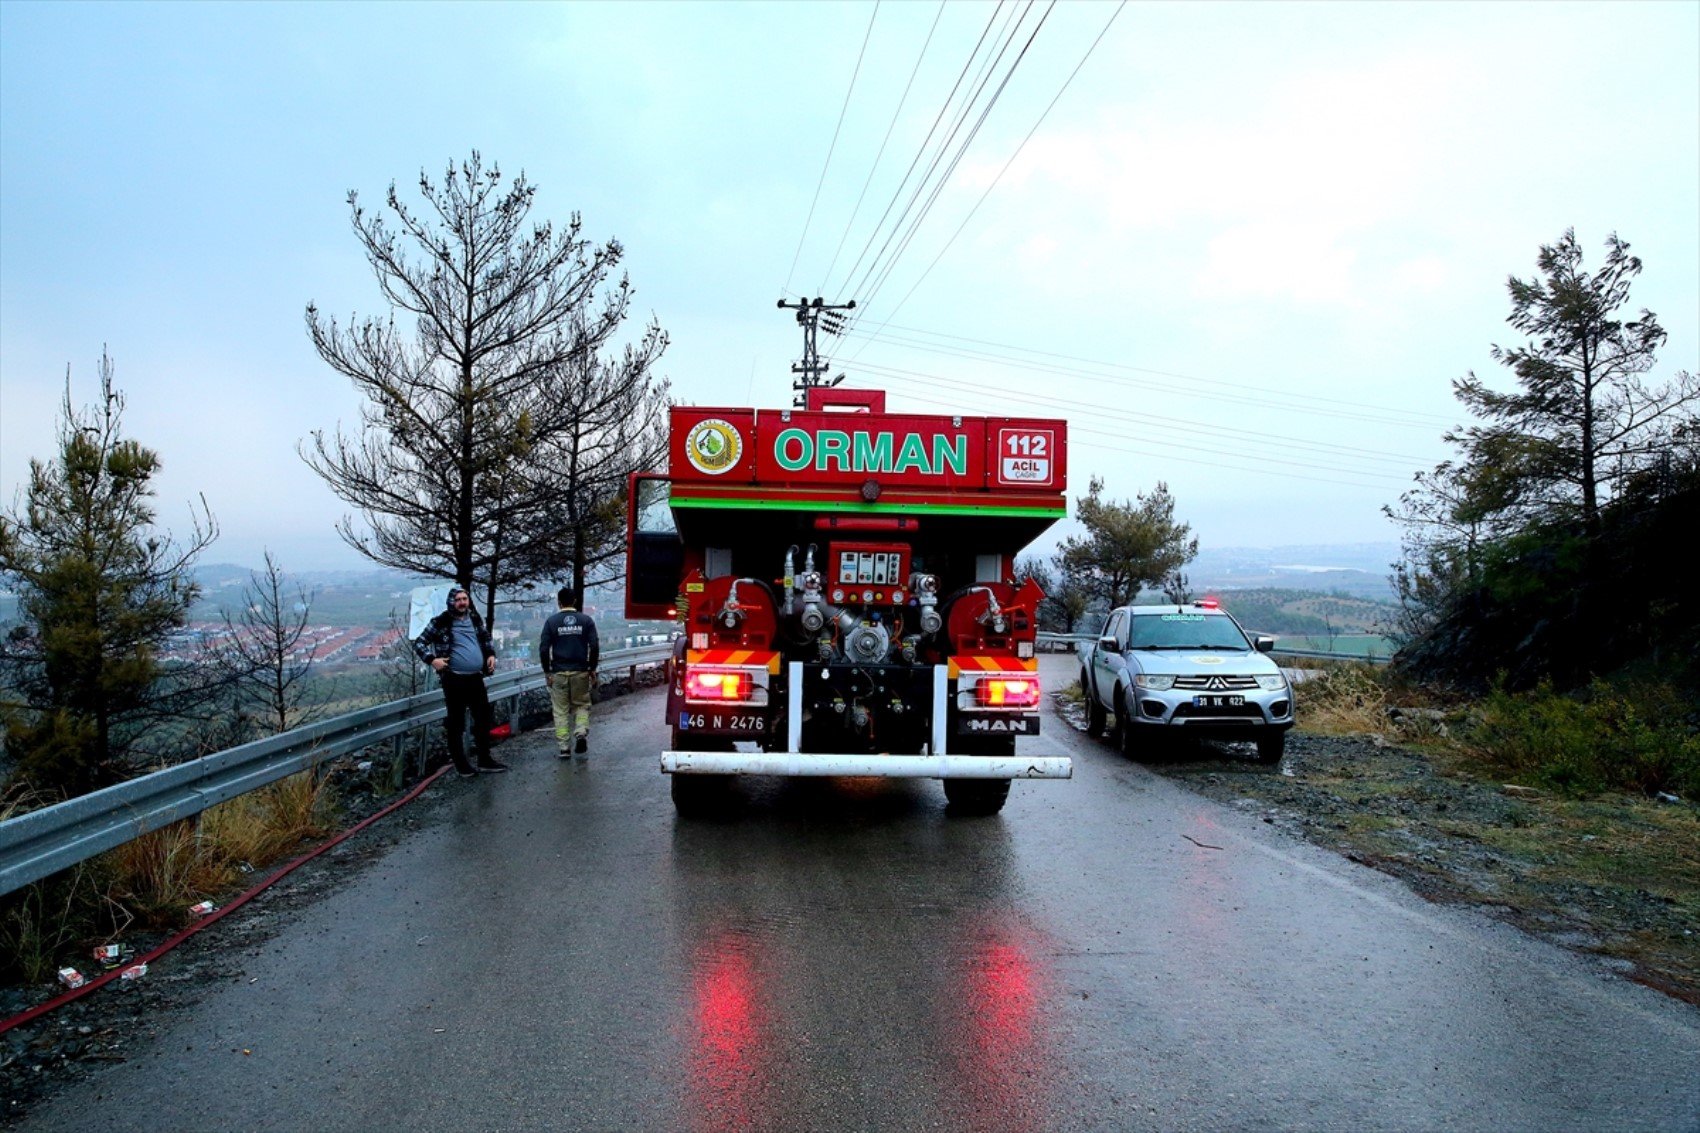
(1218, 702)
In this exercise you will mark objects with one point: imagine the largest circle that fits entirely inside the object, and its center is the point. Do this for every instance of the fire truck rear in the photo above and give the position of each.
(845, 580)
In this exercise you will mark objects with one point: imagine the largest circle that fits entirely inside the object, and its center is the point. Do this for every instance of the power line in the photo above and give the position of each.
(1144, 417)
(1390, 415)
(1044, 403)
(921, 152)
(895, 114)
(1126, 448)
(1007, 164)
(883, 270)
(828, 163)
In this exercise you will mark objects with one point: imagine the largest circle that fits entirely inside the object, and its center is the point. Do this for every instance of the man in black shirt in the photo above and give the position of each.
(569, 652)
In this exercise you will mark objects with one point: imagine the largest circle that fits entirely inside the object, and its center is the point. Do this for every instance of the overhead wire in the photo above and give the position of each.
(1145, 416)
(1049, 404)
(883, 267)
(1240, 393)
(897, 193)
(1041, 120)
(809, 220)
(895, 115)
(1125, 446)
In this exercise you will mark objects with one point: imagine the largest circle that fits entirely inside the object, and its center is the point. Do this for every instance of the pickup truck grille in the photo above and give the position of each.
(1214, 683)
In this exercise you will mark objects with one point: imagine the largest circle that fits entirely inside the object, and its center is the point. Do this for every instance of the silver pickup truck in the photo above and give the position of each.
(1164, 672)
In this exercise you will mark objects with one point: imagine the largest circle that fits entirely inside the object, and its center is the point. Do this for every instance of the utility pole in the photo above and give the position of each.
(812, 314)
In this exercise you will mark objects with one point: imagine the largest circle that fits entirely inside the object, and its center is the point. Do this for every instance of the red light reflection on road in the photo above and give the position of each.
(728, 1075)
(1002, 1060)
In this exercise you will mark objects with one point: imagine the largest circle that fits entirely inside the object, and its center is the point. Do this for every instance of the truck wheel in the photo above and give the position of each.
(701, 796)
(1095, 718)
(973, 798)
(1270, 748)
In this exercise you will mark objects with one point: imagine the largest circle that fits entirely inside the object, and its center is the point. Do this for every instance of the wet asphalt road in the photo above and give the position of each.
(559, 952)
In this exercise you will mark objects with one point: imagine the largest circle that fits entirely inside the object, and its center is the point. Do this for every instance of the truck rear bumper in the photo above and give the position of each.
(820, 764)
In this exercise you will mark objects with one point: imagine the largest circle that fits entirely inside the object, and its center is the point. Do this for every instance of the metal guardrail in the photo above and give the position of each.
(42, 842)
(1063, 642)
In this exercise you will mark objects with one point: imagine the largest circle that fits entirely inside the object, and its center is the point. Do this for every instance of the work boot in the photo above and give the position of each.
(566, 752)
(490, 766)
(580, 745)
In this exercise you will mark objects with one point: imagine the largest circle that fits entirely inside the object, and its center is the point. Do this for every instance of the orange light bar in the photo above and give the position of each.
(714, 684)
(1008, 692)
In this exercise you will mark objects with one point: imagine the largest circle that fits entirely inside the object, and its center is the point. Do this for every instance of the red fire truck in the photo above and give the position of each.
(845, 581)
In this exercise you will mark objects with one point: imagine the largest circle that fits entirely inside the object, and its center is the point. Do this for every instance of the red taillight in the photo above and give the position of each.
(1008, 692)
(710, 684)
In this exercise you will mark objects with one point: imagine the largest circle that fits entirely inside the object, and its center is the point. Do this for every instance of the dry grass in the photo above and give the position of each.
(151, 882)
(1345, 700)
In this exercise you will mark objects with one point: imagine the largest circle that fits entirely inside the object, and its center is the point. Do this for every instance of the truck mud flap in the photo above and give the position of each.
(820, 764)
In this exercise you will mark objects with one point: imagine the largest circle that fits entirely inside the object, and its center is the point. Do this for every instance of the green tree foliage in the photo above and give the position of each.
(496, 437)
(1128, 545)
(1581, 417)
(1546, 549)
(99, 593)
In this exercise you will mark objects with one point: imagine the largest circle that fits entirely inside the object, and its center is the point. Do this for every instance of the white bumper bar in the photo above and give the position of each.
(879, 766)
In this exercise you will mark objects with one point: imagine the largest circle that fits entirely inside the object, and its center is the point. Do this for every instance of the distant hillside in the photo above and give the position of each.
(1360, 570)
(1302, 612)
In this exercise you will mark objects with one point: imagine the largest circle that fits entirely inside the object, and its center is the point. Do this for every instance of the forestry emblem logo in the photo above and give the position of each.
(713, 446)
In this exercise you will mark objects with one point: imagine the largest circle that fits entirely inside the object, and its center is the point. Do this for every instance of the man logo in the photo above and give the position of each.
(713, 446)
(1015, 724)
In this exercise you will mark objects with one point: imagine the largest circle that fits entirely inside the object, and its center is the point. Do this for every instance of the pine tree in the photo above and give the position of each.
(100, 593)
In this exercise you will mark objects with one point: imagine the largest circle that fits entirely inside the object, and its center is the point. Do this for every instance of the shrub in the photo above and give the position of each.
(1605, 738)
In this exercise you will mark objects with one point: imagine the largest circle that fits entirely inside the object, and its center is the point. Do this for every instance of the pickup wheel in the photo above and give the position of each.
(1095, 717)
(1271, 748)
(1125, 743)
(976, 798)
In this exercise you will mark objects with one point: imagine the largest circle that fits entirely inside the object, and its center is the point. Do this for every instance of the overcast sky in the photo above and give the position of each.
(1245, 252)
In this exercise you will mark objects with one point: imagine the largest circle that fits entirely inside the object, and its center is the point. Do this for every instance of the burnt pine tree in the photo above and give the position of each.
(100, 592)
(1128, 545)
(616, 425)
(266, 650)
(451, 470)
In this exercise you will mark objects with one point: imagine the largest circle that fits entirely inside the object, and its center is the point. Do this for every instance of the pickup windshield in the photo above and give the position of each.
(1186, 631)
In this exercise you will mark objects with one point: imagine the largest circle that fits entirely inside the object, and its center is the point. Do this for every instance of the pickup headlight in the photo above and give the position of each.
(1272, 682)
(1154, 683)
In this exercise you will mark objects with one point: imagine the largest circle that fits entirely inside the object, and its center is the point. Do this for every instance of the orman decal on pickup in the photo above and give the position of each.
(831, 450)
(713, 446)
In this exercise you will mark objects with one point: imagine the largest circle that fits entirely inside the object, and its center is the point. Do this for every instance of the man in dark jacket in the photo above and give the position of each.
(569, 651)
(458, 647)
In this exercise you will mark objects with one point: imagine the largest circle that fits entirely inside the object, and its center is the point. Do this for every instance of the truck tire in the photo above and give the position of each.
(1095, 718)
(701, 796)
(1271, 747)
(976, 798)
